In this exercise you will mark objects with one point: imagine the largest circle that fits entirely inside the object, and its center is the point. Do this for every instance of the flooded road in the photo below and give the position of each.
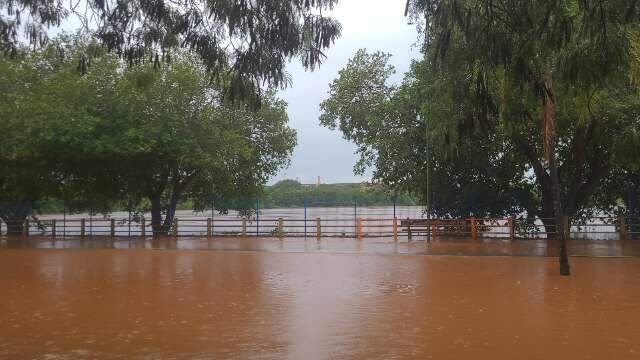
(159, 304)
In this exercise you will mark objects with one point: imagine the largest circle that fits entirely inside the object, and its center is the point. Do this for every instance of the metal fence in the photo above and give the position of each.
(403, 224)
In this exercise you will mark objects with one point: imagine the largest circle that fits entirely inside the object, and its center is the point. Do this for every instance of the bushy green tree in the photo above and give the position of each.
(535, 55)
(176, 138)
(112, 133)
(487, 153)
(47, 113)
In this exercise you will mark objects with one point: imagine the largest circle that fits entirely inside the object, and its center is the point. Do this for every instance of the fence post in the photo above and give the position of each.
(566, 227)
(474, 228)
(209, 227)
(359, 223)
(25, 228)
(244, 227)
(53, 228)
(409, 229)
(305, 216)
(143, 229)
(355, 218)
(82, 227)
(511, 229)
(318, 228)
(623, 227)
(175, 227)
(113, 227)
(433, 231)
(395, 228)
(280, 227)
(257, 217)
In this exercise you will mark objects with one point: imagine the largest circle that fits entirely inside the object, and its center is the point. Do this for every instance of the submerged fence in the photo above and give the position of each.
(404, 224)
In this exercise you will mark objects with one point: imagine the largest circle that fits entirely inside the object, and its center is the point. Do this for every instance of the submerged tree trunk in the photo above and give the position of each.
(14, 214)
(161, 227)
(156, 216)
(549, 141)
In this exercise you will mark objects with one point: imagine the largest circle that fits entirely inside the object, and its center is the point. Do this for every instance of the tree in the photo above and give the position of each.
(171, 136)
(243, 44)
(383, 121)
(119, 134)
(487, 160)
(46, 117)
(532, 46)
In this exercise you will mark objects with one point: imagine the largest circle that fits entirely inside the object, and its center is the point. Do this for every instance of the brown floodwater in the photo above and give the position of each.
(184, 304)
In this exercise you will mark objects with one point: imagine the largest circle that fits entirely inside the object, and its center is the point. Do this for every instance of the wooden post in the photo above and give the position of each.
(359, 222)
(474, 229)
(175, 227)
(113, 227)
(433, 231)
(622, 223)
(318, 228)
(409, 229)
(209, 227)
(53, 228)
(25, 227)
(395, 228)
(511, 229)
(244, 227)
(280, 227)
(143, 228)
(82, 227)
(566, 227)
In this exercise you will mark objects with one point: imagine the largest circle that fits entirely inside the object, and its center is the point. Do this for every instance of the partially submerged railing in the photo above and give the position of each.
(355, 227)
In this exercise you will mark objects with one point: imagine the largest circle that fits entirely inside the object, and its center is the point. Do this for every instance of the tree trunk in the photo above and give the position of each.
(547, 214)
(14, 215)
(171, 212)
(549, 141)
(156, 216)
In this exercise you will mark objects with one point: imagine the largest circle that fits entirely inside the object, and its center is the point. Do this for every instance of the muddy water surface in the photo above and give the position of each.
(162, 304)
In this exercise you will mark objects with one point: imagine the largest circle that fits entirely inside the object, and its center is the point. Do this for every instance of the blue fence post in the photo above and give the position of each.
(305, 216)
(394, 206)
(257, 216)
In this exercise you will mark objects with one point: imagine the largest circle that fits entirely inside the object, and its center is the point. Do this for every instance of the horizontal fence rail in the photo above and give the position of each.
(367, 225)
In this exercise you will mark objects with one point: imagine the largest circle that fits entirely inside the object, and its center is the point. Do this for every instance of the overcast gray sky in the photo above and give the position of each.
(371, 24)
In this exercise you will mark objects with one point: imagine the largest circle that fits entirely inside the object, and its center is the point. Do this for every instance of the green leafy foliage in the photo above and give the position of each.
(242, 44)
(143, 136)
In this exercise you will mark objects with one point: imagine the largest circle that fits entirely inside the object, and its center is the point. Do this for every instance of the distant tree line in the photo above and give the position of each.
(284, 194)
(291, 193)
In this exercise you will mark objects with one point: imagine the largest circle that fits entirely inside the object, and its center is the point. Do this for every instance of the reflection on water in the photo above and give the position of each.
(443, 246)
(80, 303)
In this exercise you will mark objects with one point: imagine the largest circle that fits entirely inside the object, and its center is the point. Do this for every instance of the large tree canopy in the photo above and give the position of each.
(173, 137)
(148, 136)
(544, 50)
(242, 43)
(523, 97)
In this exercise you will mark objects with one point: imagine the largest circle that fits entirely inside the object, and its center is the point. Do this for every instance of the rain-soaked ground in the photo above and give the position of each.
(296, 299)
